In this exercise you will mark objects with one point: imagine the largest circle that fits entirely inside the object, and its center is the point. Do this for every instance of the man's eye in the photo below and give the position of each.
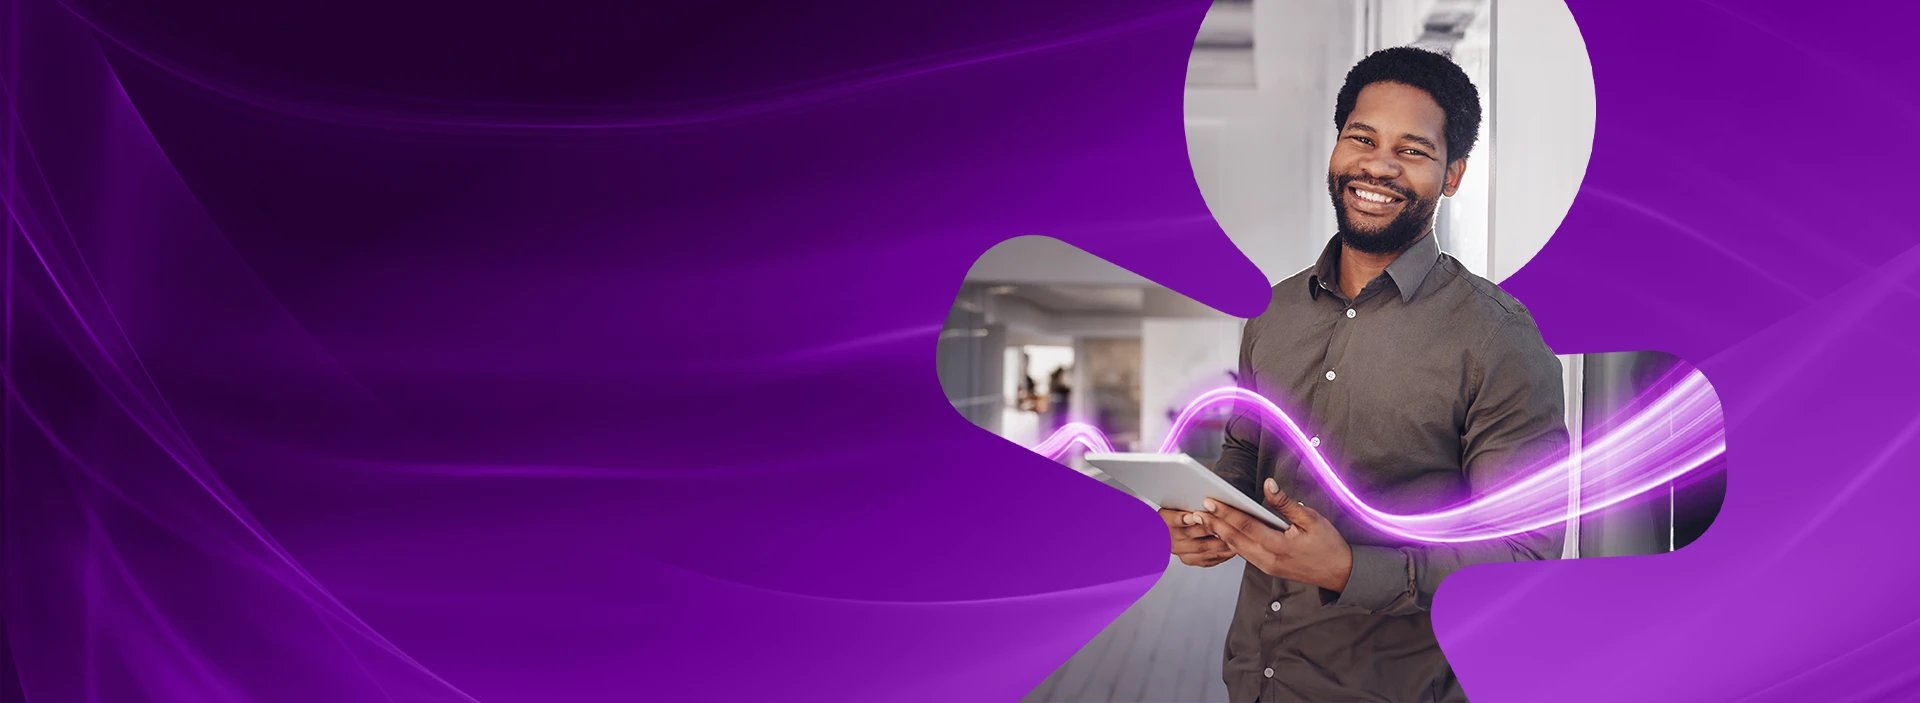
(1414, 152)
(1362, 140)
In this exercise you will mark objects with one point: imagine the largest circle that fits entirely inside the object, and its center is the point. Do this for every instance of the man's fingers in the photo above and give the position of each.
(1177, 519)
(1226, 513)
(1297, 513)
(1302, 514)
(1209, 547)
(1192, 532)
(1272, 495)
(1239, 530)
(1293, 511)
(1183, 524)
(1229, 533)
(1196, 533)
(1182, 543)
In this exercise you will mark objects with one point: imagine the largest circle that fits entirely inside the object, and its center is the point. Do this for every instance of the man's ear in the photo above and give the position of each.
(1454, 171)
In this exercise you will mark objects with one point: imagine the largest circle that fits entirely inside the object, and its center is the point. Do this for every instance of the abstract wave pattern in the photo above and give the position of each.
(1662, 440)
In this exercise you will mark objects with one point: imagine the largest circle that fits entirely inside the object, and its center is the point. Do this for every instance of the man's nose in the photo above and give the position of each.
(1378, 166)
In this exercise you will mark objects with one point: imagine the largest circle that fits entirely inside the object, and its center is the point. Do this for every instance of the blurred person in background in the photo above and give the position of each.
(1058, 392)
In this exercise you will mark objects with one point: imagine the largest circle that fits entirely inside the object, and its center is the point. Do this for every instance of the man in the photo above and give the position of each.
(1426, 385)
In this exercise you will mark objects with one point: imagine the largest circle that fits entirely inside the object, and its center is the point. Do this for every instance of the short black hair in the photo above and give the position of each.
(1429, 71)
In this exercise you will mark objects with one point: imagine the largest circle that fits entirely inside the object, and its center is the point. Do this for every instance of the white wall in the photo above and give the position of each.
(1180, 359)
(1260, 155)
(1031, 325)
(1542, 126)
(1392, 23)
(1467, 218)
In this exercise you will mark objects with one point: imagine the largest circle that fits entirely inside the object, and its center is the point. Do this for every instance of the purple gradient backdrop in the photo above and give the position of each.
(360, 352)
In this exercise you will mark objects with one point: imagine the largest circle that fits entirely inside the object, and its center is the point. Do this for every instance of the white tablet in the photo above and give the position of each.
(1177, 482)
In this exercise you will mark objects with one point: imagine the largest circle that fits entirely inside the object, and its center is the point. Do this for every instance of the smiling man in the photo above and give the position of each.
(1424, 383)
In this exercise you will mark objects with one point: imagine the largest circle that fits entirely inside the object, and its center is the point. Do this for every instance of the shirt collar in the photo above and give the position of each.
(1407, 271)
(1410, 270)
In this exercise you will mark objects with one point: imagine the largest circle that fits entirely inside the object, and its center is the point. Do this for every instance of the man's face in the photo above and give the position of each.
(1389, 168)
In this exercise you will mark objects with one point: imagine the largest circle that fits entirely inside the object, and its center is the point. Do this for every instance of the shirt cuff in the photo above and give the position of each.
(1379, 577)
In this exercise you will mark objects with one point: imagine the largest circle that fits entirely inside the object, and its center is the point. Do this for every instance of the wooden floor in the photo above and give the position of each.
(1167, 647)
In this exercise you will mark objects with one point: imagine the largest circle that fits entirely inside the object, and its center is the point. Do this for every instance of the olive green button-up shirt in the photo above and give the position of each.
(1429, 387)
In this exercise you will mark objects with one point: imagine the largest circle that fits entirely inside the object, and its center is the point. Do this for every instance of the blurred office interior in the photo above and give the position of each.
(1041, 332)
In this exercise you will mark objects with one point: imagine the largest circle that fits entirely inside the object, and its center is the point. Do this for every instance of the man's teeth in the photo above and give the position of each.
(1372, 197)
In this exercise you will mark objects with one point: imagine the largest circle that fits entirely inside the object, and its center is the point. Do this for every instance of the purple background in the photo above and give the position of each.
(526, 352)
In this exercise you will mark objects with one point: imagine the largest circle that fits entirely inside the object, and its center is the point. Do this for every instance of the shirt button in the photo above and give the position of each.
(1275, 606)
(1268, 672)
(1351, 313)
(1329, 375)
(1314, 441)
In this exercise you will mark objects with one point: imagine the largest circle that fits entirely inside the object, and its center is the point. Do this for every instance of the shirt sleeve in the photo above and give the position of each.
(1516, 417)
(1240, 456)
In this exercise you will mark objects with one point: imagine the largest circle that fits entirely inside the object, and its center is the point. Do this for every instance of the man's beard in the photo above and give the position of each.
(1412, 221)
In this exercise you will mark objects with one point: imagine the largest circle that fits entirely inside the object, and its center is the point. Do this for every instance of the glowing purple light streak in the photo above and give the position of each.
(1678, 432)
(1062, 440)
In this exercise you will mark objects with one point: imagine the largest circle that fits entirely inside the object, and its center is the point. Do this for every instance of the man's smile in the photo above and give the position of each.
(1370, 200)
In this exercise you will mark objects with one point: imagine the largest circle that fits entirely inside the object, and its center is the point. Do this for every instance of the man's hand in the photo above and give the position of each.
(1192, 543)
(1312, 552)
